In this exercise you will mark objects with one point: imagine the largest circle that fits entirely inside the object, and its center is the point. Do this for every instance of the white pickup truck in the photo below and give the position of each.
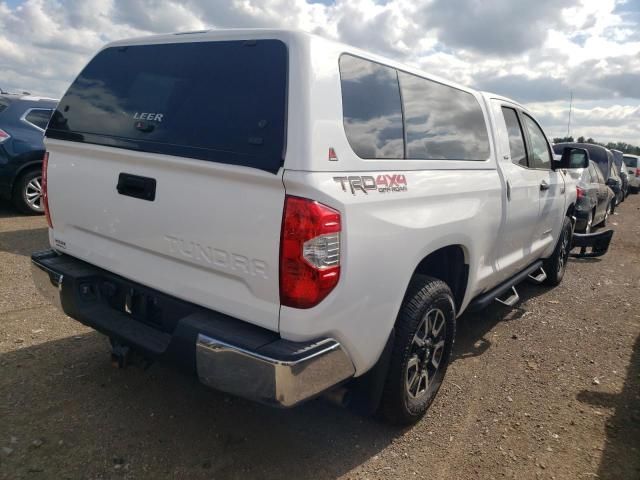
(288, 216)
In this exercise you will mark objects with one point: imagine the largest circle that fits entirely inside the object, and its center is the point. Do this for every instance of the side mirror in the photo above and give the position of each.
(573, 158)
(611, 182)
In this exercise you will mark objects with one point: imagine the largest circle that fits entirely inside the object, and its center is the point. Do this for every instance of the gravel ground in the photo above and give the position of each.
(547, 390)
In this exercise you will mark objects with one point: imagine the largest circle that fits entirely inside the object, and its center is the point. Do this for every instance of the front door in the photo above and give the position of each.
(551, 189)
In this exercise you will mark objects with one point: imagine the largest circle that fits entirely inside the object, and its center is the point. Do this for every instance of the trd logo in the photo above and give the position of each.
(382, 183)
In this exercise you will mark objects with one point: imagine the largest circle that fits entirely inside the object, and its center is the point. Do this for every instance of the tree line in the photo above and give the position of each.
(622, 146)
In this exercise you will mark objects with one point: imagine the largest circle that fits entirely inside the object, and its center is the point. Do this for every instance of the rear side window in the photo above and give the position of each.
(371, 108)
(631, 162)
(442, 122)
(516, 138)
(540, 156)
(38, 117)
(599, 174)
(218, 101)
(392, 114)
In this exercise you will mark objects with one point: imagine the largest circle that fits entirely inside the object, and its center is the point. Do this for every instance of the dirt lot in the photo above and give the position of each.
(548, 390)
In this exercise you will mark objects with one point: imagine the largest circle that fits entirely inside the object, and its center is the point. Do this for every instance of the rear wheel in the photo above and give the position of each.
(425, 331)
(556, 264)
(587, 229)
(607, 213)
(27, 193)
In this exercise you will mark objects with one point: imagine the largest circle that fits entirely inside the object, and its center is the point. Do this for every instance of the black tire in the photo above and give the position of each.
(607, 213)
(633, 190)
(428, 301)
(23, 188)
(556, 264)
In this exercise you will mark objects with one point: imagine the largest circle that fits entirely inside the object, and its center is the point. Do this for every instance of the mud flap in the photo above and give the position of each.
(598, 242)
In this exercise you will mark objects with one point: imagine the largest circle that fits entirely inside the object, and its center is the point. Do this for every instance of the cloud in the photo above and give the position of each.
(534, 51)
(498, 27)
(603, 122)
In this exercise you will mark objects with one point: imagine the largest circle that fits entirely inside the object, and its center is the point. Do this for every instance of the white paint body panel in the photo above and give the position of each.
(228, 210)
(197, 241)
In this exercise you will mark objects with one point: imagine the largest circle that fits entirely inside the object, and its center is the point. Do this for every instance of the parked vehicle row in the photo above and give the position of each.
(23, 119)
(295, 215)
(633, 171)
(603, 185)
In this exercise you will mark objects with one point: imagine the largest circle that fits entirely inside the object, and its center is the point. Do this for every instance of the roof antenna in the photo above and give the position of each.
(570, 108)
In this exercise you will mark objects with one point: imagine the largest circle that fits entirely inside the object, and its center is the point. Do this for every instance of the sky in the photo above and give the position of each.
(534, 51)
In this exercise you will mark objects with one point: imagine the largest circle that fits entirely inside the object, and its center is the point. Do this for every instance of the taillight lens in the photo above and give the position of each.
(309, 252)
(45, 189)
(580, 192)
(637, 172)
(4, 136)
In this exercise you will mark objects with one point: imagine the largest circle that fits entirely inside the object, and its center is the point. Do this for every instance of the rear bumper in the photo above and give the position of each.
(226, 353)
(597, 242)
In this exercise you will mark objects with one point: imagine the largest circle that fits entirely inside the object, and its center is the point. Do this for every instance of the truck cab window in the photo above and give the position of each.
(540, 156)
(516, 139)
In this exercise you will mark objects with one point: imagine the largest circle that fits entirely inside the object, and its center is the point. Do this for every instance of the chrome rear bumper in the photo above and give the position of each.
(227, 354)
(272, 380)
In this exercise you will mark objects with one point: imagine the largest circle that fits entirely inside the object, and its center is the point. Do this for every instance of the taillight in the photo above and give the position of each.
(580, 192)
(45, 193)
(4, 136)
(637, 172)
(309, 252)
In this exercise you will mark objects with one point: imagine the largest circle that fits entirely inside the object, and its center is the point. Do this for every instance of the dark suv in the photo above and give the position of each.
(23, 119)
(605, 160)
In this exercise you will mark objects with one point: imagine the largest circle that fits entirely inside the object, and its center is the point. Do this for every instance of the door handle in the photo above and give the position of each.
(544, 185)
(136, 186)
(508, 190)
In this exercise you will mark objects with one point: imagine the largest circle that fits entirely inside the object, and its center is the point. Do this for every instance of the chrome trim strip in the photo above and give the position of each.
(273, 381)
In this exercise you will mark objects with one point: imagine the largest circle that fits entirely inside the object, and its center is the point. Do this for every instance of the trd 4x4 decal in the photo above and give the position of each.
(383, 183)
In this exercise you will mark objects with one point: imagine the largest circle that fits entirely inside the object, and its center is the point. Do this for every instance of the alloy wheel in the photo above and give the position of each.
(33, 193)
(426, 352)
(564, 251)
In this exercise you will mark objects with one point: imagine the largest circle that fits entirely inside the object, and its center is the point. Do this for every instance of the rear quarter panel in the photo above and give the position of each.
(384, 238)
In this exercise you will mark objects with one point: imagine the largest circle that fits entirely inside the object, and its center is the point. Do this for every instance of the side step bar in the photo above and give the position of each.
(538, 278)
(511, 300)
(482, 301)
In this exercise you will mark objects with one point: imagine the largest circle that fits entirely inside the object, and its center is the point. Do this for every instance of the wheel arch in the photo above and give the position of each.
(27, 167)
(449, 264)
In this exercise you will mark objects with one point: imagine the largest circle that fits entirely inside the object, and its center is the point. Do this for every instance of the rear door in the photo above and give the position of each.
(521, 190)
(603, 192)
(165, 167)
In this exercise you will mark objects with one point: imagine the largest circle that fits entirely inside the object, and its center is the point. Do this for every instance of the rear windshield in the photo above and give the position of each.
(631, 162)
(218, 101)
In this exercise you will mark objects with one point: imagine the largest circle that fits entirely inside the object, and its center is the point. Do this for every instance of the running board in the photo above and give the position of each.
(511, 300)
(538, 278)
(485, 299)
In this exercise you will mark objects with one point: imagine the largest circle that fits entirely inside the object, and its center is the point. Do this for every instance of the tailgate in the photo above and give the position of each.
(211, 236)
(165, 164)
